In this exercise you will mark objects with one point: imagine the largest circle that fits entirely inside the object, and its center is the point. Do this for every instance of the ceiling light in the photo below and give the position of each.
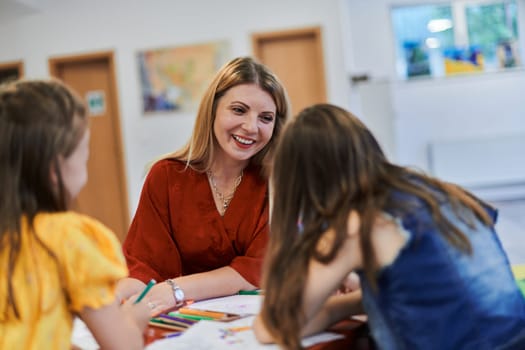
(439, 25)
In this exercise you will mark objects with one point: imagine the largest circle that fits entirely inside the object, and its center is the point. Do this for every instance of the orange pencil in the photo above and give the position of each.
(240, 329)
(205, 313)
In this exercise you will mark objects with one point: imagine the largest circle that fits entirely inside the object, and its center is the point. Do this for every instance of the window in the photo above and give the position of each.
(454, 38)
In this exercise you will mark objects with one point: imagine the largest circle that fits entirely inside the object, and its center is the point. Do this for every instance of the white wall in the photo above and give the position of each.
(126, 26)
(454, 109)
(427, 110)
(487, 106)
(357, 39)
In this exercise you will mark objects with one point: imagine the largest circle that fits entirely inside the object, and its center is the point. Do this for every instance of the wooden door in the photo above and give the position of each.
(10, 71)
(296, 57)
(105, 195)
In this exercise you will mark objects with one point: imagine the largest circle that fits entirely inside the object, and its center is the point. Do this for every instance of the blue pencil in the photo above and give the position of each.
(172, 335)
(145, 291)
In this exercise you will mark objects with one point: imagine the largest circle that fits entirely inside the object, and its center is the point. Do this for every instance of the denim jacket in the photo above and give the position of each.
(433, 296)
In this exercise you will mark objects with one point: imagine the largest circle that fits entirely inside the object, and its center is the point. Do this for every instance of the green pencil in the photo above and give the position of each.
(191, 317)
(251, 292)
(145, 291)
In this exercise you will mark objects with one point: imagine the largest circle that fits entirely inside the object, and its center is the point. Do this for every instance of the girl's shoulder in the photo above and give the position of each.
(71, 228)
(171, 167)
(81, 243)
(68, 219)
(88, 253)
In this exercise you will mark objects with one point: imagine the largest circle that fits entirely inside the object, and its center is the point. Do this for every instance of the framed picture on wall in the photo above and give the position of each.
(174, 79)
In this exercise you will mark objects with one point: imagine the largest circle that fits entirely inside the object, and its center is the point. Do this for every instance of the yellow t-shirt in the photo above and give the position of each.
(90, 259)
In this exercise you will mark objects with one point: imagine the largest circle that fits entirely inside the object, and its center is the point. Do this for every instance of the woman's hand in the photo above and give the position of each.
(140, 312)
(160, 298)
(128, 287)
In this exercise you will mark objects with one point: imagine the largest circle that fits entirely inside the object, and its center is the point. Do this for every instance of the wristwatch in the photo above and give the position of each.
(178, 293)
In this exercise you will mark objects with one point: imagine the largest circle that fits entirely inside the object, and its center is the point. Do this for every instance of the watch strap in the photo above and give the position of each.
(178, 293)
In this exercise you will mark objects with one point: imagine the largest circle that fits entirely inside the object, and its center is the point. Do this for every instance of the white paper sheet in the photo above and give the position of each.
(82, 337)
(206, 335)
(227, 335)
(233, 304)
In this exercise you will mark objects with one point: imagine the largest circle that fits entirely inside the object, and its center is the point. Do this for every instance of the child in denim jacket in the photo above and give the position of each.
(433, 272)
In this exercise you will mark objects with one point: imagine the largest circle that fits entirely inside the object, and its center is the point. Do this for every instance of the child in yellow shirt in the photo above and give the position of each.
(55, 263)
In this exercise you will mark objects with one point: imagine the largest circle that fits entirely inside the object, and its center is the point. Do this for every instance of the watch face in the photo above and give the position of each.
(179, 294)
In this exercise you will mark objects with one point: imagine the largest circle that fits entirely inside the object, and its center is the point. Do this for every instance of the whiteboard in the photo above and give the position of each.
(483, 162)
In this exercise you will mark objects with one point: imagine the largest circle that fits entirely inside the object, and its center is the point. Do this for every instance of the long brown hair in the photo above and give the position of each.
(40, 120)
(326, 165)
(198, 152)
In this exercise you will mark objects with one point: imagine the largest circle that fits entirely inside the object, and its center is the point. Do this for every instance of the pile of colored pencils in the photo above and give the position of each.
(180, 320)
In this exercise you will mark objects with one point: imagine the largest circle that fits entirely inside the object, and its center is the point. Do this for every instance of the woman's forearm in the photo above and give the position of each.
(214, 283)
(335, 309)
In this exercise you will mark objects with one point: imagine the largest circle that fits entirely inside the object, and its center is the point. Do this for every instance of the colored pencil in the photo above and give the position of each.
(161, 324)
(172, 335)
(173, 322)
(251, 292)
(240, 329)
(205, 313)
(150, 284)
(177, 319)
(191, 317)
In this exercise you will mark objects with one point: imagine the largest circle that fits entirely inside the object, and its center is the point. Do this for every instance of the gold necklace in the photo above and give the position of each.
(225, 199)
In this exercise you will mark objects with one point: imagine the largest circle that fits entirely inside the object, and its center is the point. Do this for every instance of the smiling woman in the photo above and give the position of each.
(202, 219)
(243, 125)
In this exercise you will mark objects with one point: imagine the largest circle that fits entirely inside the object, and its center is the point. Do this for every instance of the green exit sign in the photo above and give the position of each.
(96, 103)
